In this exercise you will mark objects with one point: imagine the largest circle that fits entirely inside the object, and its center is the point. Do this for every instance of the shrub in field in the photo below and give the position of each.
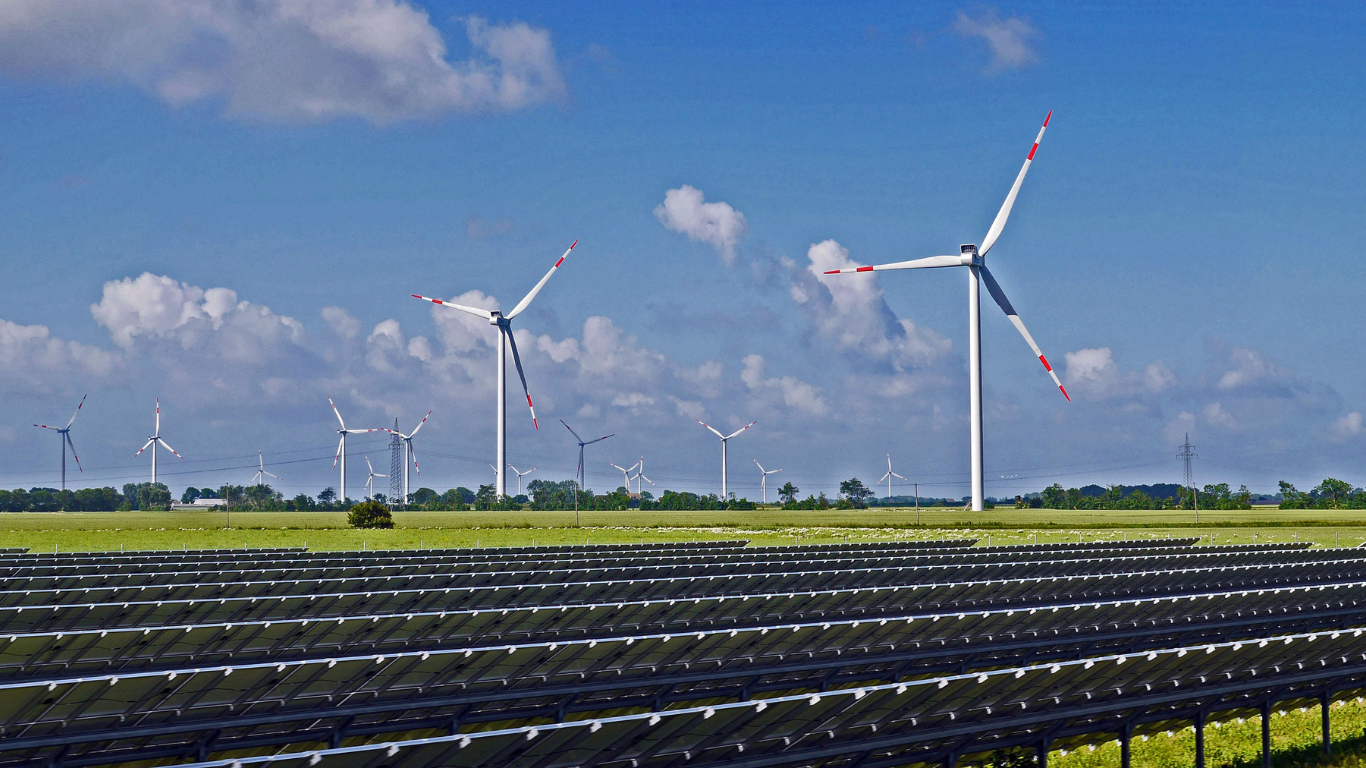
(370, 514)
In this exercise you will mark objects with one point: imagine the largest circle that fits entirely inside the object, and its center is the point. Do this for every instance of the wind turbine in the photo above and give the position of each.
(370, 481)
(261, 472)
(409, 455)
(519, 477)
(724, 440)
(888, 477)
(64, 437)
(341, 446)
(763, 481)
(505, 340)
(152, 441)
(974, 259)
(582, 443)
(626, 474)
(640, 475)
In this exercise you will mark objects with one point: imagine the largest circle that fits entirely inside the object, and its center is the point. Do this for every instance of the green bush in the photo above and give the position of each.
(370, 514)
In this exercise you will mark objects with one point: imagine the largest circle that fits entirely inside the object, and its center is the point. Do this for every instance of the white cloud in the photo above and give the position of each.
(33, 361)
(283, 60)
(1093, 372)
(213, 322)
(1348, 426)
(1215, 414)
(794, 392)
(1251, 369)
(716, 224)
(1009, 39)
(341, 322)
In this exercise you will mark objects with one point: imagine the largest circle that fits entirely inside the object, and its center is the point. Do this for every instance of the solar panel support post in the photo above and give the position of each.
(1325, 701)
(1124, 734)
(1200, 739)
(1266, 734)
(1041, 755)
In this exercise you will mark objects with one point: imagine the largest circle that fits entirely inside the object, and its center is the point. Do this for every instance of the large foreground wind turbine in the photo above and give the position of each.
(341, 447)
(504, 324)
(409, 456)
(582, 470)
(153, 440)
(974, 258)
(763, 481)
(724, 439)
(888, 477)
(64, 436)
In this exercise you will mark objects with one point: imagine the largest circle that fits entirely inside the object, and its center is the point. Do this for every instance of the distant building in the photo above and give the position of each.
(199, 504)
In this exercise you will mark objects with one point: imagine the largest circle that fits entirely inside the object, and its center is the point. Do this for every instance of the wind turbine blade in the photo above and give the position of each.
(370, 466)
(708, 426)
(618, 468)
(884, 477)
(67, 435)
(412, 453)
(526, 300)
(648, 480)
(144, 447)
(930, 262)
(158, 430)
(1000, 297)
(54, 429)
(599, 440)
(476, 311)
(1001, 216)
(572, 432)
(760, 466)
(277, 477)
(337, 458)
(516, 358)
(169, 448)
(77, 413)
(419, 426)
(334, 410)
(741, 429)
(899, 477)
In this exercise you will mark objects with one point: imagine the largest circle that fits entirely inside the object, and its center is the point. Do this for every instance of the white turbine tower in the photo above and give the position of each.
(410, 456)
(974, 258)
(370, 481)
(504, 325)
(626, 474)
(261, 471)
(341, 448)
(888, 477)
(640, 475)
(763, 481)
(582, 472)
(724, 440)
(64, 437)
(153, 440)
(520, 475)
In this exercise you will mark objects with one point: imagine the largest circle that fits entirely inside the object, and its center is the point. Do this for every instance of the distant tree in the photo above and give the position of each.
(788, 493)
(1332, 494)
(190, 496)
(303, 503)
(1054, 497)
(423, 496)
(486, 497)
(855, 492)
(327, 495)
(370, 514)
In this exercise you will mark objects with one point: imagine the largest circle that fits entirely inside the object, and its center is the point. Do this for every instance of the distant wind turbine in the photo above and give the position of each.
(370, 481)
(153, 441)
(341, 446)
(504, 324)
(582, 470)
(409, 455)
(888, 477)
(724, 439)
(520, 475)
(974, 259)
(763, 481)
(640, 475)
(626, 474)
(64, 437)
(261, 471)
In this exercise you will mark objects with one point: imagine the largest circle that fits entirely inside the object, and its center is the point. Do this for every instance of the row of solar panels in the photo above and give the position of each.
(85, 698)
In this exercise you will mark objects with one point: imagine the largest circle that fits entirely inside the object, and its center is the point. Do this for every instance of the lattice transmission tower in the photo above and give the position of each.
(1186, 452)
(396, 500)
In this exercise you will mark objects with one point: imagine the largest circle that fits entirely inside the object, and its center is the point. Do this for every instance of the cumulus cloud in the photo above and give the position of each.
(1251, 369)
(1348, 426)
(283, 60)
(156, 307)
(794, 392)
(1094, 373)
(1215, 414)
(850, 312)
(33, 361)
(717, 224)
(1008, 39)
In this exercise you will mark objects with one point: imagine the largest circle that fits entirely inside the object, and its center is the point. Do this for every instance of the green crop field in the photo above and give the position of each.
(90, 531)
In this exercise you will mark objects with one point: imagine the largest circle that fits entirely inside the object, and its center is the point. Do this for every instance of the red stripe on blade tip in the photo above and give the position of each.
(1032, 151)
(1044, 360)
(1064, 393)
(576, 242)
(864, 269)
(558, 263)
(828, 272)
(1046, 119)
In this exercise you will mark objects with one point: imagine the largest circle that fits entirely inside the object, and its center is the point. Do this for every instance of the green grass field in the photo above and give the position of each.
(104, 531)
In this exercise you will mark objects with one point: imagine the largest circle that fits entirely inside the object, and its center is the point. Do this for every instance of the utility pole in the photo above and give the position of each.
(917, 505)
(1186, 452)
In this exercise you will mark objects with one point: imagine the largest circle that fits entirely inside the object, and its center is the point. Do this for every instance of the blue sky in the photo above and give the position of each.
(1184, 248)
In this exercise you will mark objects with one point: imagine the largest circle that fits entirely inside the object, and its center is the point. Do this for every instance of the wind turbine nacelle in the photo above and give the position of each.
(969, 253)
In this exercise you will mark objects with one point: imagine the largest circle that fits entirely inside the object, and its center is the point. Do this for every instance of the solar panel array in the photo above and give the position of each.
(701, 654)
